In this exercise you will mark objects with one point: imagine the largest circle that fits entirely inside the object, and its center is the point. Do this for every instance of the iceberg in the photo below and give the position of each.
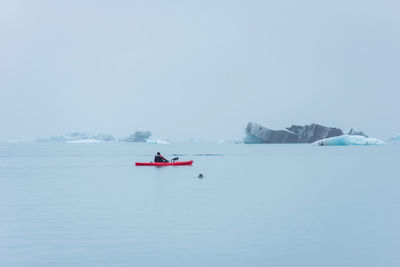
(230, 141)
(138, 136)
(257, 134)
(348, 140)
(79, 137)
(356, 132)
(157, 142)
(395, 139)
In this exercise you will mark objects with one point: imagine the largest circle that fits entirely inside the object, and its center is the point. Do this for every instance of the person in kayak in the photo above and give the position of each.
(159, 158)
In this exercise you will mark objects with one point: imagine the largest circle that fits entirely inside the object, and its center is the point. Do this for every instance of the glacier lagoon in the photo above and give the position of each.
(257, 205)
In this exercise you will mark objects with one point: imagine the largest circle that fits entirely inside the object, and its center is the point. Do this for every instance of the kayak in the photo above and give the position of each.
(160, 164)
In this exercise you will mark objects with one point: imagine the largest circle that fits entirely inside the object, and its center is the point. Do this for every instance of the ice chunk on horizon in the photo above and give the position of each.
(157, 142)
(230, 141)
(348, 140)
(138, 136)
(79, 137)
(395, 139)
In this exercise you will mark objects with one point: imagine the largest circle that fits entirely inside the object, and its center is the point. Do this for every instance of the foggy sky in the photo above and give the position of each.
(197, 68)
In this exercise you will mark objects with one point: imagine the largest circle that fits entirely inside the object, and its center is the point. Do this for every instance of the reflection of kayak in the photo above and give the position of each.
(176, 163)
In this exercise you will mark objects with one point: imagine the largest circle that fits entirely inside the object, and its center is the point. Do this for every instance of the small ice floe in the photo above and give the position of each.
(395, 139)
(230, 141)
(157, 142)
(348, 140)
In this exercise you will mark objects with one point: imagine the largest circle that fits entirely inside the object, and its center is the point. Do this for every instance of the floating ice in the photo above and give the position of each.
(138, 136)
(356, 132)
(251, 139)
(230, 141)
(257, 134)
(348, 140)
(395, 139)
(157, 142)
(79, 137)
(188, 141)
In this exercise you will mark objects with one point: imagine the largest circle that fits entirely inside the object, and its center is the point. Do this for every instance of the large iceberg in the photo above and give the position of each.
(138, 136)
(255, 134)
(356, 132)
(79, 137)
(348, 140)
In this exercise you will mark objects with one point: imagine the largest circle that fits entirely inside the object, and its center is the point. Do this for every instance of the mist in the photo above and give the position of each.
(199, 69)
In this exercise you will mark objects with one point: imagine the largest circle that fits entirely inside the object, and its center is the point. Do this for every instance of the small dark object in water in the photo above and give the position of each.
(200, 176)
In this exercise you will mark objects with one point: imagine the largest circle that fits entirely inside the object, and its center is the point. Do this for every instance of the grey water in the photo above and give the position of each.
(257, 205)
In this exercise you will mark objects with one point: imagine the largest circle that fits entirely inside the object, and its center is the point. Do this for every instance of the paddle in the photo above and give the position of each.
(174, 159)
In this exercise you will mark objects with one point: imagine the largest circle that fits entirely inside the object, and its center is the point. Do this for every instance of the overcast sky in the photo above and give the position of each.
(197, 68)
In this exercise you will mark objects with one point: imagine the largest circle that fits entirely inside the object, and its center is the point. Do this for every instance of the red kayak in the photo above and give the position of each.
(160, 164)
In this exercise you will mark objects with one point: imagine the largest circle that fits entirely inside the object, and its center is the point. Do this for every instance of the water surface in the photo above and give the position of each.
(257, 205)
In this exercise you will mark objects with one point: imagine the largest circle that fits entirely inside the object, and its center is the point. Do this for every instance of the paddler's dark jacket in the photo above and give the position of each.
(160, 158)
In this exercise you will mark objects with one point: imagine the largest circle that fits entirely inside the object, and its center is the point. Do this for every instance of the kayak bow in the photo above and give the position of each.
(160, 164)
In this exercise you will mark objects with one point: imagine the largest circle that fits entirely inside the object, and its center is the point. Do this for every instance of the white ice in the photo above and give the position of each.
(348, 140)
(157, 142)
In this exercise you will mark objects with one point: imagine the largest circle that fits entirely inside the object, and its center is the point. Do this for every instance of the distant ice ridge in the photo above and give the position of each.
(186, 140)
(79, 137)
(138, 136)
(231, 141)
(395, 139)
(157, 142)
(348, 140)
(193, 140)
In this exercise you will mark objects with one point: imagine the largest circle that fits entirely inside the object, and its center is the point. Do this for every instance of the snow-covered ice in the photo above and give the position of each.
(157, 142)
(348, 140)
(395, 138)
(81, 137)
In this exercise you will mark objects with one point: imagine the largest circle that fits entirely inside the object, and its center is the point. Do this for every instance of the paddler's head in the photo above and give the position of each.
(158, 153)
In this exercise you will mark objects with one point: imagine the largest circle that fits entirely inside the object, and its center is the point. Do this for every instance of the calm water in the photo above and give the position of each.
(257, 205)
